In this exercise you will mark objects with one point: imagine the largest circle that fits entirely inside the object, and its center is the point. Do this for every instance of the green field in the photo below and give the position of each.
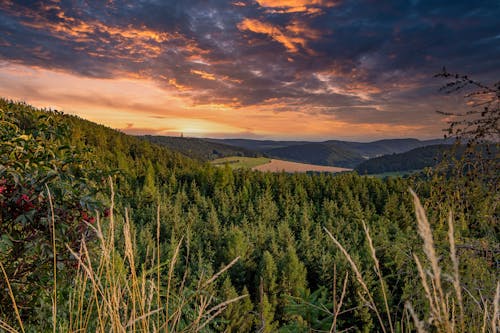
(394, 174)
(239, 162)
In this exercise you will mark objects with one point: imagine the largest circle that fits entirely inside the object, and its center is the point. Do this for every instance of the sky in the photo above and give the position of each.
(262, 69)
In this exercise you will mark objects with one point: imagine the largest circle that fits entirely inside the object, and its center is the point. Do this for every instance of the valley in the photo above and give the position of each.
(89, 210)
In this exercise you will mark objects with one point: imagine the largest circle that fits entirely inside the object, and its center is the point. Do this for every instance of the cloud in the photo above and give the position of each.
(311, 57)
(203, 74)
(296, 6)
(293, 37)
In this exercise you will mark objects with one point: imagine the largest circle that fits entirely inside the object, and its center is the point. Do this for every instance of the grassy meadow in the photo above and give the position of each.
(240, 162)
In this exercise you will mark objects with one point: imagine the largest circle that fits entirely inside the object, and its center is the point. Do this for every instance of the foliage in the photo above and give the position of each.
(241, 162)
(467, 180)
(481, 123)
(200, 149)
(415, 159)
(274, 223)
(34, 156)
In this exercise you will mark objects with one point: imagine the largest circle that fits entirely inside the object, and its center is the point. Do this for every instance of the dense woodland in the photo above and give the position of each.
(291, 269)
(200, 149)
(332, 152)
(415, 159)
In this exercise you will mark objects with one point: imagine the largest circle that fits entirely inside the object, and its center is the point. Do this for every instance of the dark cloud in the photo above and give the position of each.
(365, 58)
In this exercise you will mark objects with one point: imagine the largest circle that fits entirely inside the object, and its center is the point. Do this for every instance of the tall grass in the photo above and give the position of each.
(113, 292)
(446, 312)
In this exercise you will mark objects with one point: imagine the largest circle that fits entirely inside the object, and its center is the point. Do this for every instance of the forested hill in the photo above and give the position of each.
(199, 148)
(415, 159)
(421, 158)
(331, 152)
(196, 219)
(256, 145)
(318, 153)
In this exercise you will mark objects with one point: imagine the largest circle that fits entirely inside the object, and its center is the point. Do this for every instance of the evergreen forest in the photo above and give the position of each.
(102, 231)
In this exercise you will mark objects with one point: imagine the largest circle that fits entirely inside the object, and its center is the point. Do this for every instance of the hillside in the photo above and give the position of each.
(419, 158)
(414, 159)
(256, 145)
(331, 152)
(199, 148)
(237, 162)
(156, 240)
(380, 147)
(318, 153)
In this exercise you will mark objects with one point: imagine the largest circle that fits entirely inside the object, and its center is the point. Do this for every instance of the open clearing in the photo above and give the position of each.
(238, 162)
(273, 165)
(280, 165)
(394, 174)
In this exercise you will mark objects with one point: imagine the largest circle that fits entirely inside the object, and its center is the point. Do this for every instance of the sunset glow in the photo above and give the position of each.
(295, 69)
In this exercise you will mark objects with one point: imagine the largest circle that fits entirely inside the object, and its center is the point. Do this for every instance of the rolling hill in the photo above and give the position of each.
(318, 153)
(256, 145)
(331, 152)
(200, 149)
(419, 158)
(414, 159)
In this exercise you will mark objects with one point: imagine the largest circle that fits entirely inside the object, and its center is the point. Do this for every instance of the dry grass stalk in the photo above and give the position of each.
(359, 277)
(430, 297)
(379, 274)
(338, 307)
(6, 327)
(424, 230)
(158, 265)
(112, 292)
(495, 320)
(419, 325)
(54, 262)
(456, 276)
(218, 309)
(127, 306)
(216, 275)
(485, 318)
(13, 299)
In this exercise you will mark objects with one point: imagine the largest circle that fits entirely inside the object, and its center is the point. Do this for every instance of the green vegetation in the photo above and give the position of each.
(200, 149)
(330, 153)
(415, 159)
(318, 153)
(395, 173)
(238, 162)
(315, 252)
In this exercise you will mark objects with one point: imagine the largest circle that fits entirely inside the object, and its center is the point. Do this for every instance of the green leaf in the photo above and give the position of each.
(5, 243)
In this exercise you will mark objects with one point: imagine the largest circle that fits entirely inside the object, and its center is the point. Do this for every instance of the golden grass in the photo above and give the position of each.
(442, 315)
(359, 278)
(338, 306)
(112, 292)
(54, 262)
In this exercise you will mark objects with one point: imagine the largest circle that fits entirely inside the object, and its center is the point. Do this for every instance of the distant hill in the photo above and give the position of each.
(419, 158)
(256, 145)
(379, 148)
(200, 149)
(331, 152)
(321, 153)
(414, 159)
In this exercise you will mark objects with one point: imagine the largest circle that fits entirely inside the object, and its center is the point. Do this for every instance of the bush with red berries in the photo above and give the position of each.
(33, 161)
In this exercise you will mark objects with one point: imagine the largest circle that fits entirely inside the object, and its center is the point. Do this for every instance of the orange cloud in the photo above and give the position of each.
(295, 35)
(300, 28)
(296, 6)
(152, 109)
(177, 85)
(131, 43)
(203, 74)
